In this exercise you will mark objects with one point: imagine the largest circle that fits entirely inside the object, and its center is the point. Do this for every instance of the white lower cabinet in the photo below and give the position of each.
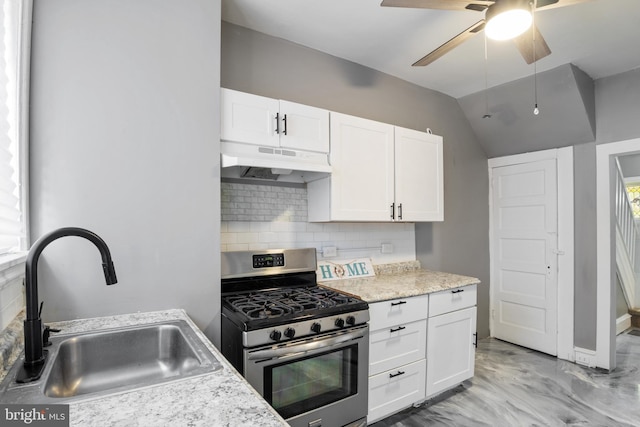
(397, 348)
(419, 347)
(451, 338)
(450, 348)
(396, 389)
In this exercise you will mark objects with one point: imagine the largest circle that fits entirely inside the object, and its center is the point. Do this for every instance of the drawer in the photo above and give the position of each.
(452, 300)
(396, 346)
(395, 312)
(394, 390)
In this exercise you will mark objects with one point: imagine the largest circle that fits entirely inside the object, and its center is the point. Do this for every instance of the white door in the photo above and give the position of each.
(524, 255)
(419, 189)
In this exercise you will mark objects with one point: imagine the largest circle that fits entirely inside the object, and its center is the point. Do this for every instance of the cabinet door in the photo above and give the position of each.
(450, 349)
(248, 118)
(452, 300)
(394, 390)
(362, 177)
(397, 346)
(304, 127)
(419, 187)
(387, 314)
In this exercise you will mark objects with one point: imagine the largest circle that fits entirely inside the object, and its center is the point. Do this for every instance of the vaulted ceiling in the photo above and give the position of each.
(600, 37)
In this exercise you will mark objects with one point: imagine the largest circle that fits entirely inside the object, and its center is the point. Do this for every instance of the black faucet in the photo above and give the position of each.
(34, 335)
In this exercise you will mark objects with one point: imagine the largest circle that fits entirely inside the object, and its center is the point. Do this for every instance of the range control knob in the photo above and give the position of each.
(316, 328)
(289, 332)
(351, 320)
(339, 322)
(275, 335)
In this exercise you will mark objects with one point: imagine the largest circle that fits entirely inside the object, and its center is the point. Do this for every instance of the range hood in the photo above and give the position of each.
(273, 163)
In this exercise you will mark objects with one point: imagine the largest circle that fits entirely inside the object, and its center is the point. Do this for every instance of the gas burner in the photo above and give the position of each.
(287, 301)
(257, 308)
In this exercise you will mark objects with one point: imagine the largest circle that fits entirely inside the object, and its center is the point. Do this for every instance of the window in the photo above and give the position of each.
(13, 114)
(633, 190)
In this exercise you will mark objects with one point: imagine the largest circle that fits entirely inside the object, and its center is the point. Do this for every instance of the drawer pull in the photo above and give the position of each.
(398, 303)
(399, 328)
(397, 374)
(457, 291)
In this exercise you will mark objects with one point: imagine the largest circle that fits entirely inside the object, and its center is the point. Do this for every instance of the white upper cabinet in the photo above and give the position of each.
(304, 127)
(258, 120)
(380, 173)
(360, 187)
(418, 176)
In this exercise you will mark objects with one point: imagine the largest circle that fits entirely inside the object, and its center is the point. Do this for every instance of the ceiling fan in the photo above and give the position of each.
(526, 36)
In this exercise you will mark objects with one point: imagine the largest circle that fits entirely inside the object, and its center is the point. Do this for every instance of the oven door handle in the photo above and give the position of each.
(302, 349)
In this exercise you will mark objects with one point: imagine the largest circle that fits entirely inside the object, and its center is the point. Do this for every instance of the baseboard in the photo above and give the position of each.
(623, 323)
(635, 317)
(585, 357)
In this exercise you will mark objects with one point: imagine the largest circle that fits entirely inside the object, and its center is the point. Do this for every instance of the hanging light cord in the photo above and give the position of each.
(536, 111)
(486, 81)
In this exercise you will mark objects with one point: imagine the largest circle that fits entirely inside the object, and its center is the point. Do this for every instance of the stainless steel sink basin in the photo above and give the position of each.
(98, 363)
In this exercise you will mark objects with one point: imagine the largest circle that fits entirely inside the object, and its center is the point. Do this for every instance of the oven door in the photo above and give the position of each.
(319, 381)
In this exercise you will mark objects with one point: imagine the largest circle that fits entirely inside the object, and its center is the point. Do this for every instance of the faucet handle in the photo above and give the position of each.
(46, 333)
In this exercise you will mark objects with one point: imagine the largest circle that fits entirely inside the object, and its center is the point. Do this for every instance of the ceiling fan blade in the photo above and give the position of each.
(552, 4)
(446, 47)
(478, 5)
(524, 43)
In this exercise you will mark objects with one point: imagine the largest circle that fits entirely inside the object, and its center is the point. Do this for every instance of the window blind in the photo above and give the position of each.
(11, 224)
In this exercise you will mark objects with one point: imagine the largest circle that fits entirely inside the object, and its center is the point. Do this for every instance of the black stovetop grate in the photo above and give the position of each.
(275, 303)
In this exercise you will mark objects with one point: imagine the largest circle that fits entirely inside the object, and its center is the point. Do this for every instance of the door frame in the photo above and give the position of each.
(564, 167)
(605, 255)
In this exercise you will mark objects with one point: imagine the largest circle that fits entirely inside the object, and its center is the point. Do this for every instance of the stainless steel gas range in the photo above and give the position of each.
(303, 347)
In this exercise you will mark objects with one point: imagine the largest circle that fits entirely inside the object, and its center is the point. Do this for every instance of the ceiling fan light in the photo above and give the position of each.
(506, 23)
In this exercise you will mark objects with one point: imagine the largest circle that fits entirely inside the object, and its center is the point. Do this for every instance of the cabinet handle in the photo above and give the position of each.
(396, 375)
(400, 211)
(277, 122)
(393, 209)
(457, 291)
(398, 303)
(475, 340)
(284, 120)
(399, 328)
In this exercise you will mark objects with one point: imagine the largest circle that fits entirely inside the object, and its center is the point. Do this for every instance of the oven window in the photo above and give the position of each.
(305, 384)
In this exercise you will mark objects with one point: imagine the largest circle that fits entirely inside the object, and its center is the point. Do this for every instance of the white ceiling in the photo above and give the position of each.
(601, 37)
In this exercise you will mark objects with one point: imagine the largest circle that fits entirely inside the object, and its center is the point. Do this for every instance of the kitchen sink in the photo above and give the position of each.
(94, 364)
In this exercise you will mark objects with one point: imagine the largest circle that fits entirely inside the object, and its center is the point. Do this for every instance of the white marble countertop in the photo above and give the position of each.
(400, 283)
(219, 398)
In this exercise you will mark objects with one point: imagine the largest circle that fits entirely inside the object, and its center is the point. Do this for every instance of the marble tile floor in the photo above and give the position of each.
(514, 386)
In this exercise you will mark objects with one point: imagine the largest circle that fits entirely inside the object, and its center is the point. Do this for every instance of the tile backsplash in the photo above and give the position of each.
(256, 216)
(255, 202)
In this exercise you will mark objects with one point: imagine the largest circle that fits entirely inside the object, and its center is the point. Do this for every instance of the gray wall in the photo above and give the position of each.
(260, 64)
(617, 112)
(621, 303)
(124, 142)
(565, 101)
(585, 265)
(618, 107)
(630, 165)
(570, 105)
